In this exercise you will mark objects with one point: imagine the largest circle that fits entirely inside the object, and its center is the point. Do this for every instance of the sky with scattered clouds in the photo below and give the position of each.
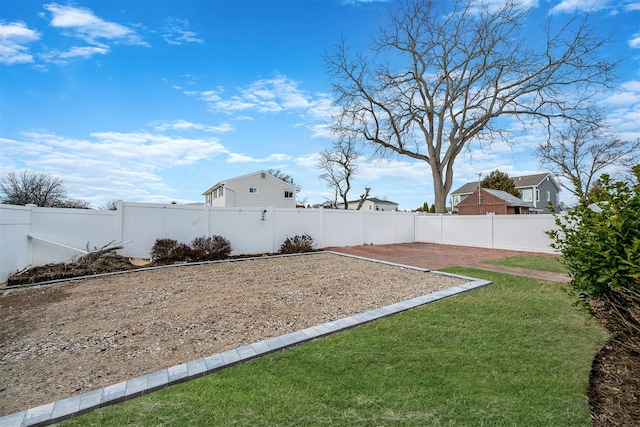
(156, 101)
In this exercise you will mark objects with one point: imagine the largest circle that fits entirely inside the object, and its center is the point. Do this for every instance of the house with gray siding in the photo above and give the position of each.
(538, 191)
(258, 189)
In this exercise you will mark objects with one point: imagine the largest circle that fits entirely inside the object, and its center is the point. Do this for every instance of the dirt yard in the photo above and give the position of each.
(66, 339)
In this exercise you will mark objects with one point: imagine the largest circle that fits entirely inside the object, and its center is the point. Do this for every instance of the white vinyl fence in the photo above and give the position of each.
(31, 236)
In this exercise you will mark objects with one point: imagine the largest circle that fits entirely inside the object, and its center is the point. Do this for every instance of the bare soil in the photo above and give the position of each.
(68, 338)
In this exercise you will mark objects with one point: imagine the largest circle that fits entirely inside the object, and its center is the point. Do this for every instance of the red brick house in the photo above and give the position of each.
(492, 201)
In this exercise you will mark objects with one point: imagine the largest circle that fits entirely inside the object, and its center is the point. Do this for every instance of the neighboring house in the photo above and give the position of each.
(371, 204)
(537, 190)
(492, 201)
(259, 189)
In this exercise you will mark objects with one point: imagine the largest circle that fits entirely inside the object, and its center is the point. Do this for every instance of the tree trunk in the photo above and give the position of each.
(439, 191)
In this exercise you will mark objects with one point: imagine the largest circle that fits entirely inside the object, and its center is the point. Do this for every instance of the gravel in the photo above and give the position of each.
(62, 340)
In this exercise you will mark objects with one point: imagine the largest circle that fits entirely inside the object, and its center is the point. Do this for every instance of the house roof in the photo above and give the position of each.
(226, 181)
(467, 188)
(519, 181)
(529, 180)
(371, 199)
(509, 199)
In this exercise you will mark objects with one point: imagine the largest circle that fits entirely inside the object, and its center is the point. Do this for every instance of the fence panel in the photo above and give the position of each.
(341, 227)
(59, 234)
(15, 224)
(295, 222)
(405, 227)
(467, 230)
(143, 223)
(428, 228)
(250, 230)
(523, 232)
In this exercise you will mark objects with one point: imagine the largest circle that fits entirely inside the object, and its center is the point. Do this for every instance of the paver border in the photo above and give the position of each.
(81, 404)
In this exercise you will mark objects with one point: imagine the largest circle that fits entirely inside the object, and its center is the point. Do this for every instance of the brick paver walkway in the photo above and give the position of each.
(436, 257)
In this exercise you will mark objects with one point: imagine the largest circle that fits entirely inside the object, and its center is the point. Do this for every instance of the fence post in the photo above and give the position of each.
(272, 228)
(322, 230)
(207, 218)
(493, 229)
(361, 227)
(120, 221)
(30, 245)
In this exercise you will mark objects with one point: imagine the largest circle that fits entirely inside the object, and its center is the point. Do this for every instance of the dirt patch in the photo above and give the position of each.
(614, 386)
(69, 338)
(58, 271)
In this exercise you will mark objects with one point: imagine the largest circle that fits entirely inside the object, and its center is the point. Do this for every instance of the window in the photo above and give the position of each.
(220, 192)
(253, 190)
(537, 195)
(527, 194)
(548, 196)
(288, 194)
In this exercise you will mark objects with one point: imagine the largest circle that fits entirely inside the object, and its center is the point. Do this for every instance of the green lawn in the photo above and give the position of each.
(517, 352)
(533, 262)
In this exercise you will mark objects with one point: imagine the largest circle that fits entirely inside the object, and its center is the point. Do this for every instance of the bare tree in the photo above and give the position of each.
(443, 74)
(283, 176)
(41, 189)
(338, 166)
(583, 151)
(111, 205)
(363, 198)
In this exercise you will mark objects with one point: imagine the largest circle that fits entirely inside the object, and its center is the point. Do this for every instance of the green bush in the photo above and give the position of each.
(297, 244)
(600, 246)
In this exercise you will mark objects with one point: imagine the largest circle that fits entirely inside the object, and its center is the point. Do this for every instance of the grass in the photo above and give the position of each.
(533, 262)
(516, 352)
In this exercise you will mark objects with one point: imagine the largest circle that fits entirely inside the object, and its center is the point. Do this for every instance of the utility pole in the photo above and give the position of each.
(479, 196)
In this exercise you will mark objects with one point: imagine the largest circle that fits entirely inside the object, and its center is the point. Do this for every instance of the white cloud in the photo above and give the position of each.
(309, 160)
(264, 96)
(183, 125)
(622, 98)
(495, 5)
(83, 24)
(110, 164)
(242, 158)
(14, 40)
(83, 52)
(571, 6)
(417, 172)
(634, 41)
(175, 32)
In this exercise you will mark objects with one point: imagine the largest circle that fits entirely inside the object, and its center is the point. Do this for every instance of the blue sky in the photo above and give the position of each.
(156, 101)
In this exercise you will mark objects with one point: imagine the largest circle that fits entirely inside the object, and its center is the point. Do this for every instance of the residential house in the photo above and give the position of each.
(258, 189)
(371, 204)
(538, 190)
(485, 201)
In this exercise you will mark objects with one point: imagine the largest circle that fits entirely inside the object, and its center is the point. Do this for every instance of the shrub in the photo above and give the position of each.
(297, 244)
(163, 250)
(210, 248)
(601, 248)
(182, 252)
